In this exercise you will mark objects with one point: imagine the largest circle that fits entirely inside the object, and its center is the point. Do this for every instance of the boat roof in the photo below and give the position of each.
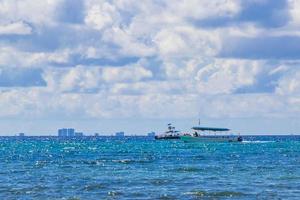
(198, 128)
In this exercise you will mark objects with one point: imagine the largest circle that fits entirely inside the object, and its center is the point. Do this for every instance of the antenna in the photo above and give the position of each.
(199, 122)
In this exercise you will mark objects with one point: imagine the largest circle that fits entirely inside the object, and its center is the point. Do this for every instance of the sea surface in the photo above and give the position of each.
(262, 167)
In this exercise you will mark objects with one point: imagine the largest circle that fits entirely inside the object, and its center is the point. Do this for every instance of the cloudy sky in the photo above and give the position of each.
(105, 66)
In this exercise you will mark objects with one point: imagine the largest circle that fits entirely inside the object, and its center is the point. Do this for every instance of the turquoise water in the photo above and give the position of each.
(141, 168)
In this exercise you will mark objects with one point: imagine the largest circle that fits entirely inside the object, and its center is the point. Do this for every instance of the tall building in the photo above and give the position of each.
(60, 133)
(71, 132)
(63, 132)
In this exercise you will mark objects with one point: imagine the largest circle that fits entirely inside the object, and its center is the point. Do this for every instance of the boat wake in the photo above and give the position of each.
(256, 141)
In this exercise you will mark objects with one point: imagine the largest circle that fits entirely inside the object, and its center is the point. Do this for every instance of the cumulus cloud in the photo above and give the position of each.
(226, 76)
(128, 43)
(31, 11)
(126, 58)
(81, 79)
(100, 14)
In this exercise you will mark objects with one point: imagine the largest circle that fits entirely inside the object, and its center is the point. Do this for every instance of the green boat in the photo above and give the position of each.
(208, 134)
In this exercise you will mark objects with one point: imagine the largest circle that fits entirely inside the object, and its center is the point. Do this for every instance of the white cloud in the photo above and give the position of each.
(170, 42)
(154, 87)
(12, 57)
(187, 42)
(93, 79)
(16, 102)
(294, 6)
(289, 84)
(183, 69)
(31, 11)
(18, 28)
(225, 76)
(205, 8)
(180, 74)
(129, 42)
(38, 103)
(80, 79)
(100, 15)
(125, 74)
(77, 79)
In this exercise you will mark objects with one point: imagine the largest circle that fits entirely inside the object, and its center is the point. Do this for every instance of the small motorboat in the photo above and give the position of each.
(170, 134)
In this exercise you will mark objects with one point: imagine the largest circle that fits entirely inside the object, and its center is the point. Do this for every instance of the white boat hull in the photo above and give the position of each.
(211, 139)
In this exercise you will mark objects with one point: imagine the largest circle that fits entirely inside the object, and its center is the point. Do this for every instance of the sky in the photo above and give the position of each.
(106, 66)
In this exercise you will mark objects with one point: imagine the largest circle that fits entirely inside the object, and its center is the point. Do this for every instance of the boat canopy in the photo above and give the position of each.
(198, 128)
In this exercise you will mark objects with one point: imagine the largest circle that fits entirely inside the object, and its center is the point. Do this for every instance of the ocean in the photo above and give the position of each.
(261, 167)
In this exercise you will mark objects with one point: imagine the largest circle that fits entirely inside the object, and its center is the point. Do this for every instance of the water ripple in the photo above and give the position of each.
(106, 168)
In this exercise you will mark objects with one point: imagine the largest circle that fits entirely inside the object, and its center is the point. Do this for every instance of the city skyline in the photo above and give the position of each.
(138, 65)
(267, 127)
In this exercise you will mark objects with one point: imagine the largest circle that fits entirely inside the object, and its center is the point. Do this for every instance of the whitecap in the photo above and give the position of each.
(256, 141)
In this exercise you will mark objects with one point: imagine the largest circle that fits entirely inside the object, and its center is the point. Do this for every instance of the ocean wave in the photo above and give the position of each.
(188, 169)
(219, 194)
(114, 193)
(130, 161)
(159, 182)
(95, 187)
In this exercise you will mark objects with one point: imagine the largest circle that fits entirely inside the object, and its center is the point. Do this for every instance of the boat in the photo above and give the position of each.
(209, 134)
(170, 134)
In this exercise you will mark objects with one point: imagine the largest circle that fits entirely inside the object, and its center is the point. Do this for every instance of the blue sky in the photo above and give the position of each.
(106, 66)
